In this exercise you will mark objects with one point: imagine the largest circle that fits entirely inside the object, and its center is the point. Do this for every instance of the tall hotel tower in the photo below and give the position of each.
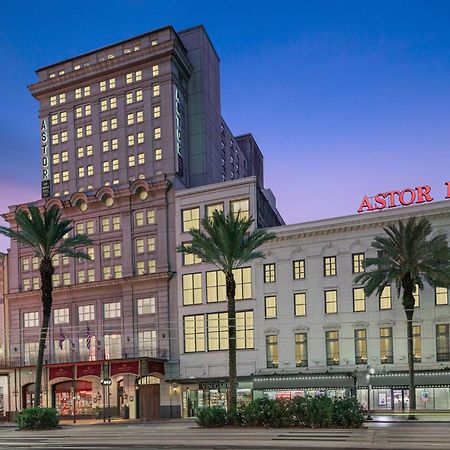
(122, 129)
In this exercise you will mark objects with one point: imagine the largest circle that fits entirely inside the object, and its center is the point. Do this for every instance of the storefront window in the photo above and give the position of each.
(63, 398)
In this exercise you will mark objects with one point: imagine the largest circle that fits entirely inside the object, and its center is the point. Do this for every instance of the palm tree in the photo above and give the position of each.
(408, 255)
(228, 243)
(45, 235)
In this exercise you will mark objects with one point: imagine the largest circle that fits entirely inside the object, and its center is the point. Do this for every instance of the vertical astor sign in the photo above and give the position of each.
(45, 158)
(179, 130)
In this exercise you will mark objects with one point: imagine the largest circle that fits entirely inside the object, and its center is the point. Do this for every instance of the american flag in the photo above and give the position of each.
(89, 336)
(61, 339)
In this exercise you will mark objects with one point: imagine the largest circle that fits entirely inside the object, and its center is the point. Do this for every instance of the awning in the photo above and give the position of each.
(323, 381)
(400, 379)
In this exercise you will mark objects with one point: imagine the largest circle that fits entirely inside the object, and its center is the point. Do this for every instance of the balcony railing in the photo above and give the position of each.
(76, 357)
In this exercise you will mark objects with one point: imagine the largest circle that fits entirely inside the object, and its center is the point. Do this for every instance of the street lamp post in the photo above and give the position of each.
(370, 372)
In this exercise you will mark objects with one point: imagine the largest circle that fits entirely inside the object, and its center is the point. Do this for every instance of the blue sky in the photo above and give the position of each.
(345, 98)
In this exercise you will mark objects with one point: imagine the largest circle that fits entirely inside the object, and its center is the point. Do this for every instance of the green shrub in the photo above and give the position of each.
(319, 412)
(212, 416)
(347, 413)
(265, 412)
(37, 419)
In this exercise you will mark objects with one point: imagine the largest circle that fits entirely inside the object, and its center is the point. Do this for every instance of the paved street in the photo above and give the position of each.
(186, 435)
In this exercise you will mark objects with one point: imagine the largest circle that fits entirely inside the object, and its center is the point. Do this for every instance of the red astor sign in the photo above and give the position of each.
(406, 197)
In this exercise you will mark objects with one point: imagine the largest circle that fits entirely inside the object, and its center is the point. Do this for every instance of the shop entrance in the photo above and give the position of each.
(64, 394)
(28, 395)
(148, 397)
(400, 399)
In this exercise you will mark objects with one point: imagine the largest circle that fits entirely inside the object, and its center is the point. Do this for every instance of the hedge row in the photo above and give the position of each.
(316, 412)
(37, 419)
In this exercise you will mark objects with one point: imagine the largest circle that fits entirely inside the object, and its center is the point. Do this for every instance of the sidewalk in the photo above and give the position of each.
(402, 417)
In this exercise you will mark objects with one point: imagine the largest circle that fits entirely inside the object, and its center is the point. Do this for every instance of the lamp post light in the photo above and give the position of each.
(370, 372)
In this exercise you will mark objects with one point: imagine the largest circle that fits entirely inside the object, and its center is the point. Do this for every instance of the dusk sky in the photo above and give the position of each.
(345, 98)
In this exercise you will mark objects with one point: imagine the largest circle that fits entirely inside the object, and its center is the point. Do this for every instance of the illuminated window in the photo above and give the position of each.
(301, 350)
(80, 152)
(65, 156)
(65, 175)
(140, 268)
(90, 170)
(63, 116)
(151, 265)
(113, 123)
(115, 164)
(60, 316)
(271, 351)
(31, 319)
(90, 227)
(111, 310)
(130, 119)
(151, 244)
(91, 253)
(385, 298)
(329, 266)
(155, 70)
(298, 269)
(331, 306)
(146, 306)
(80, 172)
(87, 110)
(141, 158)
(243, 279)
(191, 219)
(115, 223)
(53, 100)
(189, 259)
(79, 132)
(35, 263)
(106, 251)
(25, 264)
(140, 138)
(211, 208)
(139, 96)
(114, 144)
(192, 289)
(139, 244)
(147, 342)
(157, 133)
(139, 218)
(359, 300)
(156, 111)
(129, 78)
(62, 98)
(106, 273)
(360, 346)
(417, 343)
(386, 346)
(215, 286)
(89, 150)
(64, 136)
(441, 296)
(270, 305)
(105, 146)
(358, 262)
(217, 325)
(138, 75)
(129, 98)
(105, 224)
(300, 304)
(150, 216)
(332, 347)
(81, 277)
(155, 90)
(139, 116)
(55, 138)
(269, 273)
(54, 119)
(130, 140)
(240, 208)
(102, 86)
(158, 154)
(442, 342)
(416, 295)
(104, 125)
(113, 346)
(56, 280)
(194, 333)
(131, 161)
(105, 166)
(66, 279)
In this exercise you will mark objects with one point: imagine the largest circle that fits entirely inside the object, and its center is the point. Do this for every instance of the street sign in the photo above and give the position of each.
(106, 382)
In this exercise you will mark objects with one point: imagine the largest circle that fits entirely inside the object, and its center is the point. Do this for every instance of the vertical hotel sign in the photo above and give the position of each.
(179, 130)
(45, 158)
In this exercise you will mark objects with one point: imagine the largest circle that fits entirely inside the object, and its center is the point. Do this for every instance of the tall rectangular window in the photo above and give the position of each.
(361, 346)
(272, 351)
(441, 296)
(243, 279)
(417, 343)
(386, 346)
(215, 286)
(194, 333)
(244, 330)
(147, 343)
(301, 350)
(331, 306)
(359, 300)
(31, 352)
(385, 298)
(270, 303)
(240, 208)
(417, 297)
(358, 262)
(190, 259)
(329, 266)
(300, 304)
(270, 275)
(113, 346)
(217, 331)
(332, 347)
(298, 268)
(442, 342)
(191, 219)
(211, 208)
(192, 289)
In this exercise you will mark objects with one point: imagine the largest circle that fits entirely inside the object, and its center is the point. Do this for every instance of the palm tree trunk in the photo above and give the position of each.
(46, 270)
(232, 377)
(412, 388)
